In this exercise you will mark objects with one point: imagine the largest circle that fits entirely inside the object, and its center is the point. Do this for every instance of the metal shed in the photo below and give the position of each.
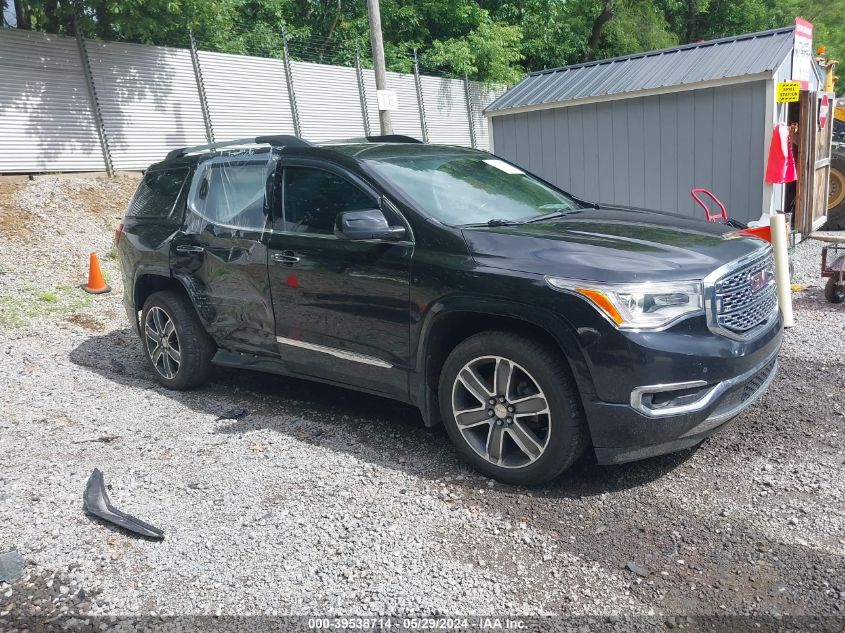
(643, 130)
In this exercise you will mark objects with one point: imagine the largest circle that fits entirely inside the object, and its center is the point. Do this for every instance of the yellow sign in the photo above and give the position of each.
(788, 91)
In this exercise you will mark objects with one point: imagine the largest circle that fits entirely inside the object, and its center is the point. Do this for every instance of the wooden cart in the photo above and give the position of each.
(833, 263)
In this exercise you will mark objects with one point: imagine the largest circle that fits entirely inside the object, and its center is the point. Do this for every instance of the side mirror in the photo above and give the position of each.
(366, 225)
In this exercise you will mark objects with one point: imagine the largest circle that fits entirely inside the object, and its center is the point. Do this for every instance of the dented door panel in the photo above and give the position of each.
(225, 270)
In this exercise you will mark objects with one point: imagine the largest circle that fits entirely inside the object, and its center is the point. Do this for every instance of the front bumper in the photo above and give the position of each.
(702, 393)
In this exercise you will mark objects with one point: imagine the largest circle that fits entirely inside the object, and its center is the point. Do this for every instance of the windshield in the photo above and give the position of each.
(461, 189)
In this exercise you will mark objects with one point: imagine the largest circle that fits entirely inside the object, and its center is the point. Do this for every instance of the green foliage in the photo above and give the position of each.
(638, 26)
(490, 40)
(489, 52)
(828, 18)
(26, 302)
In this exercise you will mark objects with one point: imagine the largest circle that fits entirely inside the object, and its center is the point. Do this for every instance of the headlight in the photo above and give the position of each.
(638, 306)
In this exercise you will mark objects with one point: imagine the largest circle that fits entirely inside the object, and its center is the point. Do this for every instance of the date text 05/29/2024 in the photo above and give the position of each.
(418, 623)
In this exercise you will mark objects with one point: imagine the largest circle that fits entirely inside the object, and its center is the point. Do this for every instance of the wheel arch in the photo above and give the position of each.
(448, 325)
(152, 281)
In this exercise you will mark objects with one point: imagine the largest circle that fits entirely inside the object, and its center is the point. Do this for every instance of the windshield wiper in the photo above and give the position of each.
(493, 222)
(551, 216)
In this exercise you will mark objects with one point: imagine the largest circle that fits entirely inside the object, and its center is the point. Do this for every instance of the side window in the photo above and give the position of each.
(157, 194)
(232, 191)
(314, 197)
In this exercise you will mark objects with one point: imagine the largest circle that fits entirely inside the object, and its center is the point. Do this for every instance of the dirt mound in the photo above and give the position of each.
(48, 227)
(67, 216)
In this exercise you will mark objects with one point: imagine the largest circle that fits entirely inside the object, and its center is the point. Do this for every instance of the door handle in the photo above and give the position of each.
(286, 257)
(188, 249)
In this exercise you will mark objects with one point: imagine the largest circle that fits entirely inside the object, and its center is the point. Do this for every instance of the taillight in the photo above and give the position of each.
(118, 234)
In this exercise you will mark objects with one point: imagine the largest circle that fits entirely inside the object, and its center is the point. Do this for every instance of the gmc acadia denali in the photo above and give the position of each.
(531, 323)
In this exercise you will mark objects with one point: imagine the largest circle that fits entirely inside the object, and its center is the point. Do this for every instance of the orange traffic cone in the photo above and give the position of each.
(96, 282)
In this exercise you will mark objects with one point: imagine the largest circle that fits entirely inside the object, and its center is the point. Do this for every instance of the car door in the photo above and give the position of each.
(341, 306)
(220, 254)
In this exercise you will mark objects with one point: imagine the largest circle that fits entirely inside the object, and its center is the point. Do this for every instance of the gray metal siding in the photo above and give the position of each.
(327, 100)
(446, 111)
(405, 120)
(247, 96)
(480, 96)
(648, 151)
(46, 122)
(149, 101)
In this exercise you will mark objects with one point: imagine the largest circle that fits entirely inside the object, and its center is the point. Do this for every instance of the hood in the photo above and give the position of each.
(612, 244)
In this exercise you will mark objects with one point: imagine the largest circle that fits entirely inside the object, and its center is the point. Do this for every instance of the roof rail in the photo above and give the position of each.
(277, 140)
(393, 138)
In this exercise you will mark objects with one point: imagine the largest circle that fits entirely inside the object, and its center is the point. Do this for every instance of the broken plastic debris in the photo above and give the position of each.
(234, 414)
(95, 501)
(639, 570)
(11, 566)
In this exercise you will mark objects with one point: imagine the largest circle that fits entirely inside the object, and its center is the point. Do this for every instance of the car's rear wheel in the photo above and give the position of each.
(511, 408)
(177, 346)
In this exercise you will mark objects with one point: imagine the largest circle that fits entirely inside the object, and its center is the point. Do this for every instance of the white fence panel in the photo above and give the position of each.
(481, 96)
(405, 120)
(46, 121)
(446, 111)
(150, 104)
(328, 101)
(246, 96)
(149, 101)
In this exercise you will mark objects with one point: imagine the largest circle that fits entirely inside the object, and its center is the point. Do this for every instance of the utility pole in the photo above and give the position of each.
(378, 61)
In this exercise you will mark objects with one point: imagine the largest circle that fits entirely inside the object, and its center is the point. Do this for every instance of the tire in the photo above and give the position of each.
(833, 292)
(185, 361)
(555, 436)
(836, 197)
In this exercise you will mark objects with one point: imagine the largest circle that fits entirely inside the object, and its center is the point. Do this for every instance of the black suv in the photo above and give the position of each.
(531, 323)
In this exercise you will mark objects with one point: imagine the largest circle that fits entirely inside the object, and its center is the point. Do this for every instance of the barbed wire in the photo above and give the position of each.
(269, 43)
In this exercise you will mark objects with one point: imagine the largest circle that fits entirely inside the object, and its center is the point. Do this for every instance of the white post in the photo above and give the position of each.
(777, 225)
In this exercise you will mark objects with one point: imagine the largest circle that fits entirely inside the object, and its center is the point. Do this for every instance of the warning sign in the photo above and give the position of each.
(824, 110)
(788, 91)
(802, 53)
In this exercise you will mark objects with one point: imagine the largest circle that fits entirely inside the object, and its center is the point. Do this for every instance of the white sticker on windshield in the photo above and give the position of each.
(505, 167)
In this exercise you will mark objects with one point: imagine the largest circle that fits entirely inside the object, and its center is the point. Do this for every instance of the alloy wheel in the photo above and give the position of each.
(162, 342)
(501, 411)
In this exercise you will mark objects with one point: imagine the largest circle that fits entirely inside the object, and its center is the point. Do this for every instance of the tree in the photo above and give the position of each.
(490, 40)
(827, 18)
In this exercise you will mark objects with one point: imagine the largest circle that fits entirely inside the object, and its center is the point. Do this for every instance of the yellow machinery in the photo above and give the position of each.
(836, 193)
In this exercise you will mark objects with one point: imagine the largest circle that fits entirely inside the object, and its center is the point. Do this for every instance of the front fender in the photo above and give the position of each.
(439, 312)
(553, 324)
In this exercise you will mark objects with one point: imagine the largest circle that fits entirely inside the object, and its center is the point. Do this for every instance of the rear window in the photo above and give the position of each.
(157, 194)
(231, 190)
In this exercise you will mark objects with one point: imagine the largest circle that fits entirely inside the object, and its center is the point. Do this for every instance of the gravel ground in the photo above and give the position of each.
(327, 502)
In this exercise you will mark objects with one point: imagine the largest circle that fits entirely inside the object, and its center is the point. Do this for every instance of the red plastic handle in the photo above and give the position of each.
(710, 217)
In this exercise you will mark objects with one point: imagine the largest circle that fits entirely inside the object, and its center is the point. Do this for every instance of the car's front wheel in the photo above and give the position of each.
(511, 408)
(177, 346)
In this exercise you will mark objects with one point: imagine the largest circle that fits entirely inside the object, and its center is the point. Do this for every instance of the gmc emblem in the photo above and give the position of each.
(760, 279)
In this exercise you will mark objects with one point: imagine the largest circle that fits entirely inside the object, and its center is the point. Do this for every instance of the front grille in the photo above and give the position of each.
(746, 298)
(758, 380)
